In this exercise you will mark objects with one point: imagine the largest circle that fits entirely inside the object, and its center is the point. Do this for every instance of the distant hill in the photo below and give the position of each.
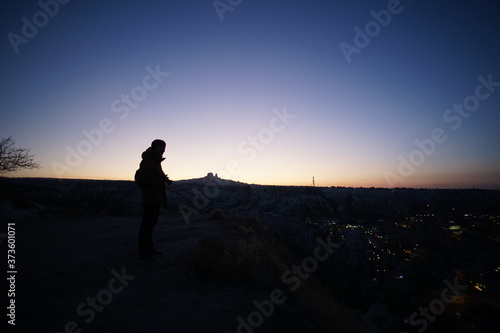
(30, 197)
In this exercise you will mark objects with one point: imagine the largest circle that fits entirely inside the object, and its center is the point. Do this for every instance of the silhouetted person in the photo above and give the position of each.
(151, 180)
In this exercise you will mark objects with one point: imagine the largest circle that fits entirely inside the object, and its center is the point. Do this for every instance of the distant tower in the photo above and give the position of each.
(313, 182)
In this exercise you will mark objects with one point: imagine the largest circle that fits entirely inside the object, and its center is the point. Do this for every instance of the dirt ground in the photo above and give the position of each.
(83, 275)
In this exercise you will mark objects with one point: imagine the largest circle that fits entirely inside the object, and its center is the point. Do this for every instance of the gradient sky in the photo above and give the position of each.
(347, 121)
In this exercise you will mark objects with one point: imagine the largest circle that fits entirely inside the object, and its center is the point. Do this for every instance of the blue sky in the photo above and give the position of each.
(220, 85)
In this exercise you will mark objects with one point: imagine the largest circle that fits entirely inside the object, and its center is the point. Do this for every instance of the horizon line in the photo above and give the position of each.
(493, 188)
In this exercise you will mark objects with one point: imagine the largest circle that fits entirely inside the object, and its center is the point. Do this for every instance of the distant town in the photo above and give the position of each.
(408, 261)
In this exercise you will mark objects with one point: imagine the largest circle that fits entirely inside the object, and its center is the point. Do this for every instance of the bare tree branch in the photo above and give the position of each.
(13, 159)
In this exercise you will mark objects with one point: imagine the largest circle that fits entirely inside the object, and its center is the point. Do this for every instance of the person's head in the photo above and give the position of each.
(159, 146)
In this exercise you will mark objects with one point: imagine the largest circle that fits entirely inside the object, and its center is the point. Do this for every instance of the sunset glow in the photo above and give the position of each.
(266, 93)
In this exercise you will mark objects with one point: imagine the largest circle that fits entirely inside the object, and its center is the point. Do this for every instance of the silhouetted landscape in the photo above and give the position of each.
(373, 124)
(255, 258)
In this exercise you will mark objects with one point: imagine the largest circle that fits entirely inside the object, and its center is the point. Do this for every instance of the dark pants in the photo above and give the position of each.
(149, 218)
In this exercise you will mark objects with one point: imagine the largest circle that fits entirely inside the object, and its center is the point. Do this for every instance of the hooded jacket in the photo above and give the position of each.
(152, 179)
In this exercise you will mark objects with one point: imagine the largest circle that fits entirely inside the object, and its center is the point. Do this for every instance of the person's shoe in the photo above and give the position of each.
(148, 259)
(154, 251)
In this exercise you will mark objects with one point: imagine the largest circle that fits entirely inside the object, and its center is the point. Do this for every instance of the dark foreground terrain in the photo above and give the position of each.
(83, 274)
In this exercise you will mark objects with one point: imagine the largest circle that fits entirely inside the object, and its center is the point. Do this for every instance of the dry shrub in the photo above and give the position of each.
(219, 259)
(217, 214)
(260, 256)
